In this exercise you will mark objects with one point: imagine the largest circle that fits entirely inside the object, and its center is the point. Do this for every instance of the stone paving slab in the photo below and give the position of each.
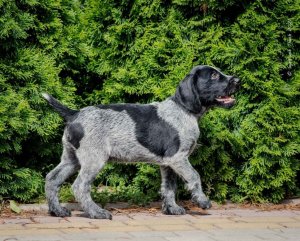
(215, 225)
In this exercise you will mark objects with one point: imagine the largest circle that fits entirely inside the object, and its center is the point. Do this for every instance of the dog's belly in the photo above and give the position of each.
(131, 151)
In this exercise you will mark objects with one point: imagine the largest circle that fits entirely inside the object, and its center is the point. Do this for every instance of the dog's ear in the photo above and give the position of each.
(187, 94)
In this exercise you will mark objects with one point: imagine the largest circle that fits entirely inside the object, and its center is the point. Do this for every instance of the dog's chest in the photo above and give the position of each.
(186, 125)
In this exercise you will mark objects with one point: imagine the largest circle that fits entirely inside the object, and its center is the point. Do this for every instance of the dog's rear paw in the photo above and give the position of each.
(100, 214)
(173, 209)
(60, 212)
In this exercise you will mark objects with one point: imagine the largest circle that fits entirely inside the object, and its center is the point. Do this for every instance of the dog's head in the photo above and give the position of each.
(206, 86)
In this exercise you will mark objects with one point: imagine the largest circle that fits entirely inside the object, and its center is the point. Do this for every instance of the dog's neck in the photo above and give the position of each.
(197, 114)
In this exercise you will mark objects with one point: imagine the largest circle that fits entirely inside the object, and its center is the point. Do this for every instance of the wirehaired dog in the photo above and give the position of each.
(163, 133)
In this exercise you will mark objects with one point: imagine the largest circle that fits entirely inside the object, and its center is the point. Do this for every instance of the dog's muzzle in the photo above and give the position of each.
(228, 99)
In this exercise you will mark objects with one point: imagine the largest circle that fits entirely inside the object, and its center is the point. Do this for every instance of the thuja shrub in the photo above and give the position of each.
(142, 49)
(138, 51)
(253, 150)
(30, 44)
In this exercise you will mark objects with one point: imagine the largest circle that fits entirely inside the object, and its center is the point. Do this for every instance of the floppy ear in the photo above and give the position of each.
(187, 94)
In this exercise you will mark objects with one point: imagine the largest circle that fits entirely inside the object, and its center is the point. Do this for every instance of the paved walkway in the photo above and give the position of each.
(231, 225)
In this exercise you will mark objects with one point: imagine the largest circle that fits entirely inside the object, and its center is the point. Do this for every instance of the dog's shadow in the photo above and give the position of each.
(189, 212)
(193, 209)
(197, 213)
(154, 208)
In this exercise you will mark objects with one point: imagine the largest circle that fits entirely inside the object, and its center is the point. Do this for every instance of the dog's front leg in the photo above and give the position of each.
(192, 178)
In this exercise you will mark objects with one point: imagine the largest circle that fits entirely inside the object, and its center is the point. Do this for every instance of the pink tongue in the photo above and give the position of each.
(225, 99)
(228, 100)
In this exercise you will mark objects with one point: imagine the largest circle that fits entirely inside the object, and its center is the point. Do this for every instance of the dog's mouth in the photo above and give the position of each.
(225, 100)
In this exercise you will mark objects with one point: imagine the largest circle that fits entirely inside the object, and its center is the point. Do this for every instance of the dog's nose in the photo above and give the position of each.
(236, 80)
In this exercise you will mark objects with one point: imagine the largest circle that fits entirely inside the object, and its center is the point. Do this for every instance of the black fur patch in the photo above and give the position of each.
(187, 95)
(152, 132)
(75, 133)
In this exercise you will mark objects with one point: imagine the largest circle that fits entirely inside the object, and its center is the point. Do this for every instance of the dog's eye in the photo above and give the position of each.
(215, 76)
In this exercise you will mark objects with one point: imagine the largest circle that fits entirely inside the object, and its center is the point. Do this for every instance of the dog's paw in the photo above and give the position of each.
(205, 204)
(60, 212)
(173, 209)
(100, 214)
(202, 201)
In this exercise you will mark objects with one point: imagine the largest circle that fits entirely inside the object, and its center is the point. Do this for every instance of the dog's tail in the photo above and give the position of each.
(64, 111)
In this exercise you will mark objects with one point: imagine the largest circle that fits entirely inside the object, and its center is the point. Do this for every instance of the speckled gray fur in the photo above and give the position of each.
(103, 134)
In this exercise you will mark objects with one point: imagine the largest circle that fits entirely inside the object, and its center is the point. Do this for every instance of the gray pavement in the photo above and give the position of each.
(212, 225)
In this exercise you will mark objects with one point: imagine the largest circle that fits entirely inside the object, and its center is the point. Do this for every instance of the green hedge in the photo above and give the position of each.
(90, 52)
(32, 38)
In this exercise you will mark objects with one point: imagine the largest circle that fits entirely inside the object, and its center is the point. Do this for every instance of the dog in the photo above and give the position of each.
(163, 133)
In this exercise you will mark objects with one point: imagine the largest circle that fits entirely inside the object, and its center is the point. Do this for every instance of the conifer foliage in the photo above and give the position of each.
(144, 48)
(31, 43)
(91, 52)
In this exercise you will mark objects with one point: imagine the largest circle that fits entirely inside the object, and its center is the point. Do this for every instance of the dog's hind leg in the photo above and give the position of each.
(68, 166)
(168, 192)
(90, 167)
